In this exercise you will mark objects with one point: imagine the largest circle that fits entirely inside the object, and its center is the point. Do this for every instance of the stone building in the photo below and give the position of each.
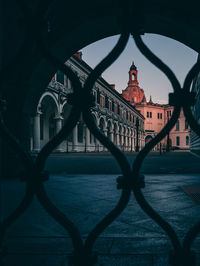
(195, 140)
(156, 115)
(116, 117)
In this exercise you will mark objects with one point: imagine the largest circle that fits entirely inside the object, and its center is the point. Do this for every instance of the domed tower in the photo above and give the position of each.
(133, 93)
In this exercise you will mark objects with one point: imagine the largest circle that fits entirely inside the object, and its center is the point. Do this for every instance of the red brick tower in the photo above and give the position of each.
(133, 93)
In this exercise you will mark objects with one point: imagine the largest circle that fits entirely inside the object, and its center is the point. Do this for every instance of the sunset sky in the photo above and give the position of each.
(179, 57)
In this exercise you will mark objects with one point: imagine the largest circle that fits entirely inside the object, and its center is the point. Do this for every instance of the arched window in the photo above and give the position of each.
(187, 140)
(177, 141)
(177, 125)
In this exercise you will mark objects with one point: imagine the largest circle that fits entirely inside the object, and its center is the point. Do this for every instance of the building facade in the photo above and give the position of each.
(156, 115)
(114, 116)
(195, 140)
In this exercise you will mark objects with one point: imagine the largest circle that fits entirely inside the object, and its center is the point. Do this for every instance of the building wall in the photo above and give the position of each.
(115, 117)
(195, 139)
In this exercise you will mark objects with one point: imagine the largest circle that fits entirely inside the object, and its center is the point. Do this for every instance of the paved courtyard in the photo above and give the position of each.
(35, 239)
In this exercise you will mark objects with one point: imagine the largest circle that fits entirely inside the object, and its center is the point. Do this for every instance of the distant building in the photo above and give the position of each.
(195, 139)
(116, 117)
(156, 115)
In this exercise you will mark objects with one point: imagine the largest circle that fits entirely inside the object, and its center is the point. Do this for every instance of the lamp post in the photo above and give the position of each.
(137, 129)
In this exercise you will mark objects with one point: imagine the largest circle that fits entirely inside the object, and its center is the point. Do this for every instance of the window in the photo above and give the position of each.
(113, 106)
(187, 140)
(127, 115)
(186, 125)
(177, 141)
(177, 125)
(60, 77)
(102, 100)
(106, 102)
(98, 97)
(118, 109)
(158, 115)
(150, 114)
(147, 114)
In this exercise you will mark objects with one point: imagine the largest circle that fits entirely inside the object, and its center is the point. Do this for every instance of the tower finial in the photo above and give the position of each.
(150, 100)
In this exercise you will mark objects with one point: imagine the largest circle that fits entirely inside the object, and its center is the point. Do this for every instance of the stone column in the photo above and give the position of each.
(105, 131)
(87, 139)
(58, 128)
(129, 143)
(75, 138)
(36, 132)
(111, 136)
(117, 138)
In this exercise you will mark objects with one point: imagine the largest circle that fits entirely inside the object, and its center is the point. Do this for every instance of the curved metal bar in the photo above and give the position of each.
(15, 144)
(190, 236)
(157, 218)
(57, 139)
(74, 114)
(54, 212)
(107, 61)
(191, 121)
(143, 153)
(137, 192)
(108, 219)
(25, 203)
(116, 152)
(157, 62)
(190, 76)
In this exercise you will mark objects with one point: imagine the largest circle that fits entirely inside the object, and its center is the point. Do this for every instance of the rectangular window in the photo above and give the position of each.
(102, 101)
(115, 108)
(147, 114)
(177, 125)
(186, 124)
(158, 115)
(150, 114)
(60, 77)
(177, 141)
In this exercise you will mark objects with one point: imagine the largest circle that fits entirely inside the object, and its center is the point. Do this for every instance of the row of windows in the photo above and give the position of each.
(104, 101)
(178, 125)
(178, 141)
(149, 115)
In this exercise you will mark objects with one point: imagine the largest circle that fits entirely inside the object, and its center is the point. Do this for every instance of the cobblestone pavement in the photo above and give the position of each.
(35, 239)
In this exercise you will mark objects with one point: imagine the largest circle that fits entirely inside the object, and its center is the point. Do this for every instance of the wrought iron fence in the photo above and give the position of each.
(131, 180)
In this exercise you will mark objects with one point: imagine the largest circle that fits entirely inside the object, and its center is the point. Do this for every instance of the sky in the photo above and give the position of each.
(179, 57)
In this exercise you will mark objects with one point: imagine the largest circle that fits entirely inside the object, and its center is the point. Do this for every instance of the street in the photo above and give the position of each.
(36, 239)
(105, 163)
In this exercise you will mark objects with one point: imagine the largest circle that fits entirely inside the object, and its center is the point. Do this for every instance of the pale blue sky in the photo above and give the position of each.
(178, 56)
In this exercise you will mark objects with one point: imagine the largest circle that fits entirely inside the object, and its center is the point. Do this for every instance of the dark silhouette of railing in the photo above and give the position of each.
(131, 181)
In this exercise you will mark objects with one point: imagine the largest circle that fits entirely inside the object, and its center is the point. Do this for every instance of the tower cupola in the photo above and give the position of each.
(133, 93)
(133, 75)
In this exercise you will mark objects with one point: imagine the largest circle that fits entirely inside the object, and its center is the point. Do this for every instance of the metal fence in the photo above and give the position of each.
(131, 180)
